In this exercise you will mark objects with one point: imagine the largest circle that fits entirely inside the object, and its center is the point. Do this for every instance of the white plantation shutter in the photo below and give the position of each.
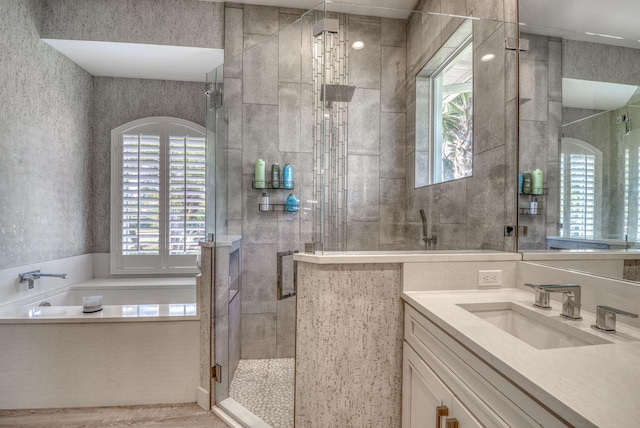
(158, 196)
(186, 194)
(580, 186)
(141, 194)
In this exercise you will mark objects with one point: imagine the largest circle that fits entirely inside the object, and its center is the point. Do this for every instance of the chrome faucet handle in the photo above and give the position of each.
(542, 296)
(606, 318)
(571, 297)
(29, 277)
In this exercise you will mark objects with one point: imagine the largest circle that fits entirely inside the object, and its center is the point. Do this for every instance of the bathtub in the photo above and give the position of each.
(142, 348)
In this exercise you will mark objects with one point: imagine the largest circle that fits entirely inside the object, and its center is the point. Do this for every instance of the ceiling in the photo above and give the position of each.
(592, 95)
(613, 22)
(140, 61)
(571, 19)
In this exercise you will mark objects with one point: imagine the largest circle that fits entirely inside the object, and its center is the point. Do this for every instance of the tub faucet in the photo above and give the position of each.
(570, 298)
(30, 277)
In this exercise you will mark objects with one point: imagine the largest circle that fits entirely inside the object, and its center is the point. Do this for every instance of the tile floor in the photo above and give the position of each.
(187, 415)
(265, 387)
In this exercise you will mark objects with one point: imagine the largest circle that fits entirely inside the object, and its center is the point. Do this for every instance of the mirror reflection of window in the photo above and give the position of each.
(580, 188)
(444, 112)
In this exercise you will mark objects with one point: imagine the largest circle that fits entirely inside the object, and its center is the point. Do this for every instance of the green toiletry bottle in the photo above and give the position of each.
(259, 180)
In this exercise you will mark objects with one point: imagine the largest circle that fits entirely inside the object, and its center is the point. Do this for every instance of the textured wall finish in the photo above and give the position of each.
(45, 186)
(349, 346)
(160, 22)
(117, 101)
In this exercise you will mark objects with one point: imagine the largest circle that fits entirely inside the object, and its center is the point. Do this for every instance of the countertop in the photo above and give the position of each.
(594, 385)
(352, 257)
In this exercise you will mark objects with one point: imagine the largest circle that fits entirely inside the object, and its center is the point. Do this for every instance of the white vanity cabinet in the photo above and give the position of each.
(439, 371)
(426, 398)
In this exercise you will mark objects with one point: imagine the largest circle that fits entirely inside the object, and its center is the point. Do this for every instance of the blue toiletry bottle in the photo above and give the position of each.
(291, 204)
(287, 176)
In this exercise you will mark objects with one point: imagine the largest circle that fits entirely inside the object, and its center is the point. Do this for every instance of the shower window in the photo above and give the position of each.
(158, 191)
(444, 112)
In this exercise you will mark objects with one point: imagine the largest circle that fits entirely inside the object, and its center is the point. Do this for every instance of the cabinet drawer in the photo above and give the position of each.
(483, 390)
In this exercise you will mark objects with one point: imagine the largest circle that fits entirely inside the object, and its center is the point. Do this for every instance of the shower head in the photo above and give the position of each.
(332, 93)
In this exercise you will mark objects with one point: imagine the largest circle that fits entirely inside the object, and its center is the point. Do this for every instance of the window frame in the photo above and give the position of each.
(163, 263)
(424, 153)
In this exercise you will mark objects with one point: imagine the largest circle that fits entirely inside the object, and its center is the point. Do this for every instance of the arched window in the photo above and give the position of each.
(580, 189)
(157, 196)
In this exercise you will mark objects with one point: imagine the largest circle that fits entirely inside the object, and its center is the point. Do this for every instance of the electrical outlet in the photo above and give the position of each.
(489, 278)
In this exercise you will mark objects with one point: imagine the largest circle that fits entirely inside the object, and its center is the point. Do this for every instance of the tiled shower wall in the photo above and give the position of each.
(268, 91)
(268, 101)
(540, 118)
(376, 134)
(469, 213)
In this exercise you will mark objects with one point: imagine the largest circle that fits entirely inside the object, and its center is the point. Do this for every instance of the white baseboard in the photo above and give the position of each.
(203, 398)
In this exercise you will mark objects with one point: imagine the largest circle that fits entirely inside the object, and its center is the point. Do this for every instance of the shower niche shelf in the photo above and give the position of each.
(268, 185)
(527, 210)
(538, 192)
(274, 207)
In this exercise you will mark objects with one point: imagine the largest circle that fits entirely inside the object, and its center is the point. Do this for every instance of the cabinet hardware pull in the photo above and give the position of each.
(451, 423)
(440, 412)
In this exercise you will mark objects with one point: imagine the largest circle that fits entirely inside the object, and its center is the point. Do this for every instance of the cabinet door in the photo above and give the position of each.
(463, 415)
(423, 394)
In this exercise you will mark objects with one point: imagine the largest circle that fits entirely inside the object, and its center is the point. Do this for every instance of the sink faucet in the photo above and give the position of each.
(570, 298)
(30, 277)
(606, 318)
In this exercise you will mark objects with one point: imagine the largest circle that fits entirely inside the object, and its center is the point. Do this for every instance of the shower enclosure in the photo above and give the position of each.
(331, 93)
(599, 181)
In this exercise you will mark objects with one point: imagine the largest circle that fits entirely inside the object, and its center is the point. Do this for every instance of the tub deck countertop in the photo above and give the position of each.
(20, 312)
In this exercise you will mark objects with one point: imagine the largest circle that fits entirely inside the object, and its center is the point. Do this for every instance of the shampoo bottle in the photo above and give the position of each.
(264, 202)
(275, 176)
(287, 176)
(259, 180)
(526, 183)
(533, 207)
(291, 205)
(536, 182)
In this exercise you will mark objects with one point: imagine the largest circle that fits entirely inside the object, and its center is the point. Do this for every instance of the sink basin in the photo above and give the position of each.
(538, 330)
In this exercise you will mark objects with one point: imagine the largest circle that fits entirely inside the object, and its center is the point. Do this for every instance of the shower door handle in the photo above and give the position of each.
(281, 293)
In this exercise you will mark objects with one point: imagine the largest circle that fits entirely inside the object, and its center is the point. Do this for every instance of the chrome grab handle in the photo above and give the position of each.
(281, 294)
(606, 318)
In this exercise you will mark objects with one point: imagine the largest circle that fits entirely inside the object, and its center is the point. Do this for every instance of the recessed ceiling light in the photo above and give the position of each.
(488, 57)
(357, 45)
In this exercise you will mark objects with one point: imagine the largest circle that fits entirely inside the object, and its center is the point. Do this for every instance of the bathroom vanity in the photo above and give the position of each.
(390, 340)
(535, 369)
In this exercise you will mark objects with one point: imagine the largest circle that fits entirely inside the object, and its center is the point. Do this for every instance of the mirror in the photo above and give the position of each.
(579, 125)
(444, 112)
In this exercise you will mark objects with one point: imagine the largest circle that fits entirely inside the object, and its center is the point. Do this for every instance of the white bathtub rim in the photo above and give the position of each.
(18, 311)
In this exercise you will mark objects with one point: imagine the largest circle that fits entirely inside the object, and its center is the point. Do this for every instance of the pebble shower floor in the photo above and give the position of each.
(265, 387)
